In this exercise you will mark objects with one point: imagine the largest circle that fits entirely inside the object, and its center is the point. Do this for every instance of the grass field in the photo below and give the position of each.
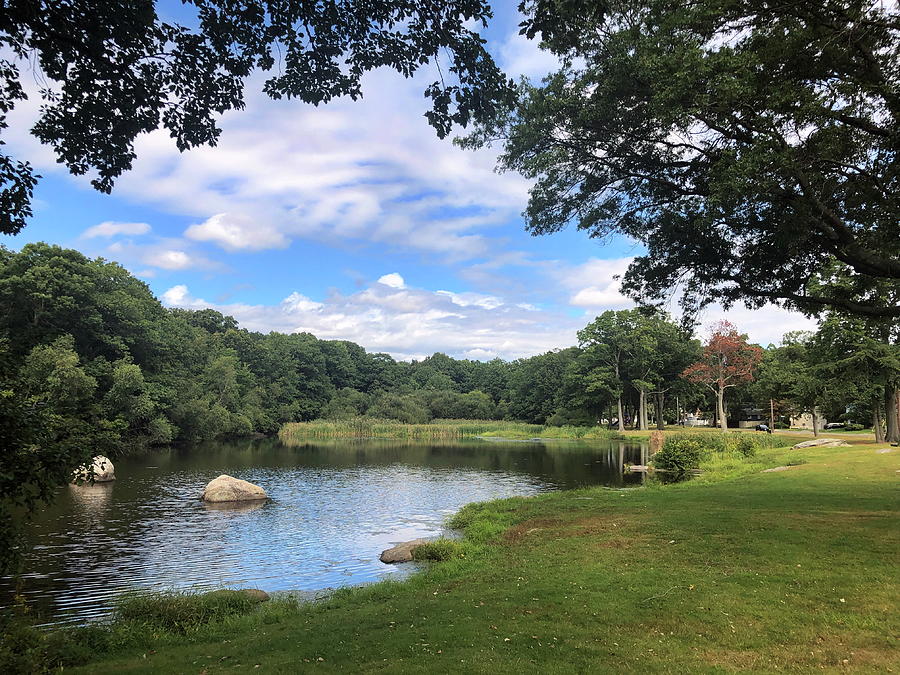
(738, 571)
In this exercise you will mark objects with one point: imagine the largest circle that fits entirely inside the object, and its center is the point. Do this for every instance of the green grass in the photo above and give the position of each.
(736, 570)
(366, 427)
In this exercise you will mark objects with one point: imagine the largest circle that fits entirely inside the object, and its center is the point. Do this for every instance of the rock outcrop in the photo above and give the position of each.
(229, 489)
(401, 552)
(101, 470)
(822, 443)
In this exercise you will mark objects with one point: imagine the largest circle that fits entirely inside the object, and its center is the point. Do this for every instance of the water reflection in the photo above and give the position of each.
(334, 507)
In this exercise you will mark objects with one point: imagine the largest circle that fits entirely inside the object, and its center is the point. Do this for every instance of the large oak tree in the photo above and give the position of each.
(750, 145)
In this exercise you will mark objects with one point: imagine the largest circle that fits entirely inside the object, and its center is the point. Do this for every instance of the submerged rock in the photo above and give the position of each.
(401, 552)
(822, 443)
(101, 470)
(229, 489)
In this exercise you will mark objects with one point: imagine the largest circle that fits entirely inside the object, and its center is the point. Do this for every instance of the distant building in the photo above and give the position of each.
(749, 417)
(695, 421)
(805, 421)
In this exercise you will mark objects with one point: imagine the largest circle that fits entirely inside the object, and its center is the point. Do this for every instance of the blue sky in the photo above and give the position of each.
(350, 221)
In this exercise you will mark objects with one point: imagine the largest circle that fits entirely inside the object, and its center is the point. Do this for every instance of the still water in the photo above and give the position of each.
(334, 507)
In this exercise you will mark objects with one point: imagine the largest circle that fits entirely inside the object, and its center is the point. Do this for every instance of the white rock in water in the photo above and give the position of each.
(101, 470)
(229, 489)
(822, 443)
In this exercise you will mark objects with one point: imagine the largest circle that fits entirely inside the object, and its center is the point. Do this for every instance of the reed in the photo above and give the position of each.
(367, 427)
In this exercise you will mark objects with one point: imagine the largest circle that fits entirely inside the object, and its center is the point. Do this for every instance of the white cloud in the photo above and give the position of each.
(473, 299)
(520, 56)
(169, 260)
(162, 254)
(764, 326)
(393, 280)
(111, 228)
(594, 285)
(370, 171)
(405, 322)
(234, 231)
(177, 296)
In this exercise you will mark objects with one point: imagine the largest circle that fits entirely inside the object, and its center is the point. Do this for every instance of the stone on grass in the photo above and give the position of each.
(229, 489)
(101, 470)
(255, 594)
(402, 552)
(822, 443)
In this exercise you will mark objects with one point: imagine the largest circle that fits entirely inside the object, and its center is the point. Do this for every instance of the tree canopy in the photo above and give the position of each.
(114, 69)
(750, 146)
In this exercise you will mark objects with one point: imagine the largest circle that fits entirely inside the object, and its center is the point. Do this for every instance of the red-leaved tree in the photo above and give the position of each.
(727, 361)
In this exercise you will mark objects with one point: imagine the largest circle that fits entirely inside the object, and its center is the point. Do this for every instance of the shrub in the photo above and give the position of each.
(439, 549)
(850, 426)
(747, 445)
(680, 454)
(27, 649)
(182, 612)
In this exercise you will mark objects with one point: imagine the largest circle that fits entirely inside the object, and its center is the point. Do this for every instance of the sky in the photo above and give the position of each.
(350, 221)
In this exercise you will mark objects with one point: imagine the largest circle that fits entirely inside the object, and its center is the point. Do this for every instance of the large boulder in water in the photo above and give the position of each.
(101, 470)
(229, 489)
(402, 552)
(822, 443)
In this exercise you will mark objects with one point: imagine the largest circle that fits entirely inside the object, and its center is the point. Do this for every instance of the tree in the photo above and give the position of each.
(113, 69)
(607, 342)
(861, 363)
(750, 146)
(727, 361)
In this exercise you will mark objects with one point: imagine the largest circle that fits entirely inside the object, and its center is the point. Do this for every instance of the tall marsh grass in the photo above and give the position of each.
(367, 427)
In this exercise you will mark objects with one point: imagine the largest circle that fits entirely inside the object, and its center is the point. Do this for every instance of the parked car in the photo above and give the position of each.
(763, 427)
(834, 425)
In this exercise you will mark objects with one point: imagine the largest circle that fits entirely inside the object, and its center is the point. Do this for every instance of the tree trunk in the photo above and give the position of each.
(660, 418)
(771, 414)
(815, 421)
(892, 414)
(720, 409)
(877, 423)
(621, 414)
(642, 410)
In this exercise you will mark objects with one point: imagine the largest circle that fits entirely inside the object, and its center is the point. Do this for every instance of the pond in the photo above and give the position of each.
(335, 505)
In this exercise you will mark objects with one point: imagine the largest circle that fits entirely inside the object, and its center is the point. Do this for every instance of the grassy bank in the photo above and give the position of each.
(737, 571)
(366, 427)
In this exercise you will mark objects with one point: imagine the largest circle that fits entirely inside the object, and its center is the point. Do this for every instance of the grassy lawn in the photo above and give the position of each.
(793, 570)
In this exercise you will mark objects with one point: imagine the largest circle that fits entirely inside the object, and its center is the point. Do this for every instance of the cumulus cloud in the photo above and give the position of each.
(369, 171)
(594, 285)
(161, 254)
(168, 259)
(405, 322)
(112, 228)
(393, 280)
(234, 231)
